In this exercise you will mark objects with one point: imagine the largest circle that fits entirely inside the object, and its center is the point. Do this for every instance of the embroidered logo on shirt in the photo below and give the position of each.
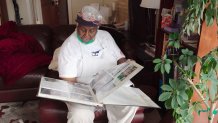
(96, 53)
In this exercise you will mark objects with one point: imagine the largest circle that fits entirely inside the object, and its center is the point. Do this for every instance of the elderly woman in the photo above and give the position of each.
(84, 53)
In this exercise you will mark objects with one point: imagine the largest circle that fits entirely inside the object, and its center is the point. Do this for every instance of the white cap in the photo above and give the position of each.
(90, 14)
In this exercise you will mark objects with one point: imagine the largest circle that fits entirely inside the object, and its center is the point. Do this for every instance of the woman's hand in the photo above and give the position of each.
(121, 60)
(70, 80)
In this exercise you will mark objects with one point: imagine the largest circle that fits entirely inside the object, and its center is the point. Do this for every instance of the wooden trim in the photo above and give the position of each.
(3, 11)
(208, 41)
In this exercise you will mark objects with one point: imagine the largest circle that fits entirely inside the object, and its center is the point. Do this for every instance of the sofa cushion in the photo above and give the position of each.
(24, 89)
(54, 62)
(30, 80)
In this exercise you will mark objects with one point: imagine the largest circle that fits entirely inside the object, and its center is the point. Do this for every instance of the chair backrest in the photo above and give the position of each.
(50, 39)
(41, 33)
(61, 33)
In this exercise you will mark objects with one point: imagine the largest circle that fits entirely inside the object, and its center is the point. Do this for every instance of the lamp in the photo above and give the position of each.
(152, 4)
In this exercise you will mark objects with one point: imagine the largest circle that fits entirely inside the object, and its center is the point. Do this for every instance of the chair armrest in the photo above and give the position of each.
(167, 117)
(52, 74)
(128, 48)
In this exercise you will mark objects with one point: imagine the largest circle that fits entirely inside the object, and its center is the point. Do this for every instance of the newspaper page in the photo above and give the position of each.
(103, 84)
(65, 91)
(109, 80)
(130, 97)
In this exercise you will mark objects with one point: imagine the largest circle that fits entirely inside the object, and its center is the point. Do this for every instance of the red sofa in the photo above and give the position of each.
(26, 87)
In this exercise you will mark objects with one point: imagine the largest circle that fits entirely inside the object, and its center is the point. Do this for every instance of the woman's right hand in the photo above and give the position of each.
(70, 80)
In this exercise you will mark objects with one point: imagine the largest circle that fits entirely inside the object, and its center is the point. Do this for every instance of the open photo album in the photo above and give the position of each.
(106, 87)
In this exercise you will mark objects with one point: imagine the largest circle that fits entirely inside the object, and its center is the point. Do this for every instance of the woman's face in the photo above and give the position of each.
(86, 33)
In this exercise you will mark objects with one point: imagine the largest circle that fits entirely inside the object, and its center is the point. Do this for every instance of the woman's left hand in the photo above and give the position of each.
(121, 60)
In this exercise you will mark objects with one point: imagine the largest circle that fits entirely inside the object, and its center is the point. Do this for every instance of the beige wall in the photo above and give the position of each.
(122, 14)
(24, 9)
(32, 14)
(77, 5)
(30, 11)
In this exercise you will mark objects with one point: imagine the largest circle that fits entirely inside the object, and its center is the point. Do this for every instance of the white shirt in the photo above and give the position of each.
(77, 59)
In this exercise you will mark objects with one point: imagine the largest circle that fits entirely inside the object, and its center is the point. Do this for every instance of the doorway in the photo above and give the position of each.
(54, 12)
(3, 12)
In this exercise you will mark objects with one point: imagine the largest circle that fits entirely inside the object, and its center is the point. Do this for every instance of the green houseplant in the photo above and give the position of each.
(178, 91)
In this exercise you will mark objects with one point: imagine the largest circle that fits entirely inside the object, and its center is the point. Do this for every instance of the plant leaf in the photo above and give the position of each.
(157, 60)
(209, 19)
(184, 95)
(172, 83)
(184, 51)
(174, 103)
(157, 67)
(168, 104)
(166, 88)
(197, 106)
(167, 68)
(213, 91)
(181, 57)
(189, 92)
(168, 61)
(165, 96)
(177, 44)
(179, 100)
(171, 43)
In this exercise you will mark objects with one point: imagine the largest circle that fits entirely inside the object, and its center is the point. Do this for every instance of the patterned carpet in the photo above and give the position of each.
(27, 112)
(19, 112)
